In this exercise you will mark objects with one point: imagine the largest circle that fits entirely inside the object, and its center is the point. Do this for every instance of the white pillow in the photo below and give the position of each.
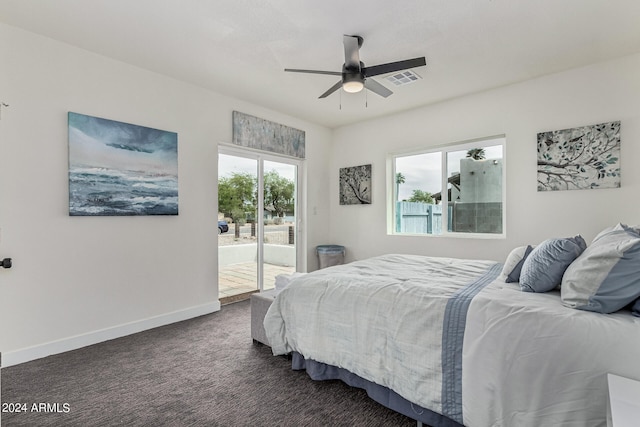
(606, 277)
(513, 263)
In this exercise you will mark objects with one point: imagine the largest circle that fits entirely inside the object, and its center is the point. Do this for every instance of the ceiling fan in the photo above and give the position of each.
(355, 76)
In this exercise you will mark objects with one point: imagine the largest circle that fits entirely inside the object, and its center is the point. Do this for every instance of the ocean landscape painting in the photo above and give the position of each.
(118, 168)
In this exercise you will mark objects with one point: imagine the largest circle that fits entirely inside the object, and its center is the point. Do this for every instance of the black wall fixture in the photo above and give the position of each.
(6, 263)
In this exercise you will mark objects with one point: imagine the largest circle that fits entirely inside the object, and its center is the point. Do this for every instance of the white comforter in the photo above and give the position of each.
(526, 360)
(380, 318)
(530, 361)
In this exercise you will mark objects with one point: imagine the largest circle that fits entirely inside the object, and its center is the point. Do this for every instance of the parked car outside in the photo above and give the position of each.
(223, 227)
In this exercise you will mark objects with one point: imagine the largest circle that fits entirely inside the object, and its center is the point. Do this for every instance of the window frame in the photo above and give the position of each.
(444, 150)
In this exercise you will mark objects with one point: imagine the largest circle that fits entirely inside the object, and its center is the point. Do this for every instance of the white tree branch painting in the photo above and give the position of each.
(581, 158)
(355, 185)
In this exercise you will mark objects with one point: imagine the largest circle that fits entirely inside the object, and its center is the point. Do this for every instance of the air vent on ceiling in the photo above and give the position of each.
(403, 78)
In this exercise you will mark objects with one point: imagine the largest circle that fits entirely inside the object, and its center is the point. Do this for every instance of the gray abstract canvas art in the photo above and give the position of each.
(581, 158)
(355, 185)
(265, 135)
(118, 168)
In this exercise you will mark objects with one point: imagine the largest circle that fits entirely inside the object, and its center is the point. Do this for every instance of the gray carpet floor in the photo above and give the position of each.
(200, 372)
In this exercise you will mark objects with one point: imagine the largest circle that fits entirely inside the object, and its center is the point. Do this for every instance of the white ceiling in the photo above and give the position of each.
(240, 47)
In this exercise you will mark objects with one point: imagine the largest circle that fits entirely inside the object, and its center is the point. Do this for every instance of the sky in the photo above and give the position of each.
(423, 171)
(227, 165)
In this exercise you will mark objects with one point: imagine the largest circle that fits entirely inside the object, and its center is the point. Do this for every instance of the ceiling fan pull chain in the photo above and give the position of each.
(366, 99)
(341, 100)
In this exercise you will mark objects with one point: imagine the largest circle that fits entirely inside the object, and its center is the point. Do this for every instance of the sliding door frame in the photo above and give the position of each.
(299, 206)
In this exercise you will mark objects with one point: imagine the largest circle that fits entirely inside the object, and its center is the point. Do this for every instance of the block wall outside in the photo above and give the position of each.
(477, 217)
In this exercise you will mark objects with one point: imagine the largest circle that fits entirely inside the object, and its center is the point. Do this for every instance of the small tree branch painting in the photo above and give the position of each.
(581, 158)
(355, 185)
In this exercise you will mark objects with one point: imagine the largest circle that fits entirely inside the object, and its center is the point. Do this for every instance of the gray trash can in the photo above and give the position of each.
(330, 255)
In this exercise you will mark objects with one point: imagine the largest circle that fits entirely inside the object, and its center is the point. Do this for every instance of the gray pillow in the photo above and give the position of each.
(635, 310)
(606, 277)
(544, 267)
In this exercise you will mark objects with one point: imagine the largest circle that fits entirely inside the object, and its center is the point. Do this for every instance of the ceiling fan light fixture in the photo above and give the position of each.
(353, 86)
(352, 82)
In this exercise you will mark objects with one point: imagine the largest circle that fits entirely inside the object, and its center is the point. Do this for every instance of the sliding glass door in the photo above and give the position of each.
(279, 186)
(257, 217)
(237, 238)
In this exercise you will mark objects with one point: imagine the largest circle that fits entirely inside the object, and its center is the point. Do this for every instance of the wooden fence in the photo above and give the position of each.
(419, 218)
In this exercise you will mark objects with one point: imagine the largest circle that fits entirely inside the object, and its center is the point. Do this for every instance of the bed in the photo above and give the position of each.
(448, 342)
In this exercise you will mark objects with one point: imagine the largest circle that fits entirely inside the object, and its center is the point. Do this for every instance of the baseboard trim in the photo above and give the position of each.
(28, 354)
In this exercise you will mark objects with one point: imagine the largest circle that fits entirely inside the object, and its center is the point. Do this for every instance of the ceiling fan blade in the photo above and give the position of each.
(332, 89)
(351, 51)
(332, 73)
(376, 87)
(390, 67)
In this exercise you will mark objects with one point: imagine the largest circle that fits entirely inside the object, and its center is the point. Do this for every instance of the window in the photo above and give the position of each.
(457, 189)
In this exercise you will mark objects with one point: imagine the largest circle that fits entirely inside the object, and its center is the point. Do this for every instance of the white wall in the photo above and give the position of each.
(75, 278)
(599, 93)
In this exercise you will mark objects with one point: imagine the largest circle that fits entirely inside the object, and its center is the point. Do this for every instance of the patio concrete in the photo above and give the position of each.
(241, 278)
